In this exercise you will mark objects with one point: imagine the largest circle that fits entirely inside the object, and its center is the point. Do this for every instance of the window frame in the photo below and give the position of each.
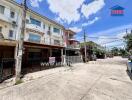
(35, 22)
(11, 34)
(12, 12)
(3, 8)
(56, 30)
(34, 37)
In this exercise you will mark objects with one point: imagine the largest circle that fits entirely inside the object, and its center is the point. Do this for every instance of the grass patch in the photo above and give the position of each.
(18, 82)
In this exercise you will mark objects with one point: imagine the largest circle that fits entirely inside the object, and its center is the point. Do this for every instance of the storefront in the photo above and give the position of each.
(36, 56)
(7, 59)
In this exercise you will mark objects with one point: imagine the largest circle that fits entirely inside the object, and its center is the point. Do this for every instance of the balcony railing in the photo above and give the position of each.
(73, 46)
(52, 41)
(48, 41)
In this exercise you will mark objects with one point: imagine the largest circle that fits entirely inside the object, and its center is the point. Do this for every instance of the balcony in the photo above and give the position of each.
(7, 19)
(51, 41)
(35, 28)
(6, 37)
(73, 46)
(45, 41)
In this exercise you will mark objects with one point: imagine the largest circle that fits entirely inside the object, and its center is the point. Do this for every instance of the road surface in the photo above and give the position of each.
(101, 80)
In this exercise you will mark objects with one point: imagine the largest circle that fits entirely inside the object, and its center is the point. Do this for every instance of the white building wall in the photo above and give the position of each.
(6, 20)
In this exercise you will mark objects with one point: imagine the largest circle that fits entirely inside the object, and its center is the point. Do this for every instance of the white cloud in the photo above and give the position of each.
(121, 35)
(67, 10)
(112, 37)
(91, 22)
(76, 29)
(113, 31)
(35, 3)
(92, 8)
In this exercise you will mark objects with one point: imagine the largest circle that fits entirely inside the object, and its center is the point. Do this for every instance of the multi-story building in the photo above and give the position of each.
(72, 48)
(10, 21)
(43, 38)
(70, 42)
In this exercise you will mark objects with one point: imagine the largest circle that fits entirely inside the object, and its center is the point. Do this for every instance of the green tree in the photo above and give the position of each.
(115, 51)
(128, 40)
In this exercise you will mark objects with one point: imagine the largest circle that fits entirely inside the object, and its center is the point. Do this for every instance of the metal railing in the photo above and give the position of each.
(7, 68)
(74, 59)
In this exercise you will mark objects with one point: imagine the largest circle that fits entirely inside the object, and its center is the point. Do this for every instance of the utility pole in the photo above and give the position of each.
(85, 46)
(20, 43)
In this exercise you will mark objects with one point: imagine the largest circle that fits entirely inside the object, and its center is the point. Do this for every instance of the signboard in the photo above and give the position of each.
(51, 59)
(117, 11)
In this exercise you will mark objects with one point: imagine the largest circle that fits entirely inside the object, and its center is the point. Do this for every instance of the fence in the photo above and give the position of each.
(7, 68)
(74, 59)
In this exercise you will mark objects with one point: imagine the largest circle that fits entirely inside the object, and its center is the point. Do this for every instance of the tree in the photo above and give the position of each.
(115, 51)
(128, 40)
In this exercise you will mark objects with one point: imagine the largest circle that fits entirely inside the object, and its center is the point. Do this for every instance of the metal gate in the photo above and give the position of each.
(7, 68)
(74, 59)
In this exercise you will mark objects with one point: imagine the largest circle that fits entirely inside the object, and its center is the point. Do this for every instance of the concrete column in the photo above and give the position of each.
(50, 50)
(63, 58)
(17, 64)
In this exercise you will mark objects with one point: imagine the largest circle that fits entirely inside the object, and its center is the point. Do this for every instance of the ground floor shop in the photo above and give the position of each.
(37, 57)
(7, 59)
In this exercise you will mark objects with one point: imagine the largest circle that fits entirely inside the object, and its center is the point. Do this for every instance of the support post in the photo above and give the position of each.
(20, 44)
(85, 46)
(62, 57)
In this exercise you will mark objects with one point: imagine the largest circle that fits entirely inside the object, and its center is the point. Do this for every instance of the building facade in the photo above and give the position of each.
(43, 38)
(72, 48)
(10, 23)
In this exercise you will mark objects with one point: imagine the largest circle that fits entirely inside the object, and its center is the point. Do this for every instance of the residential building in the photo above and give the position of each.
(10, 23)
(72, 48)
(43, 38)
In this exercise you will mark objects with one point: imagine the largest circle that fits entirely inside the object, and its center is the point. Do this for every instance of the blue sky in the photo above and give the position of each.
(93, 16)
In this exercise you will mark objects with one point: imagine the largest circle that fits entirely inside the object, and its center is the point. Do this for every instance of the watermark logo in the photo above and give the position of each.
(117, 11)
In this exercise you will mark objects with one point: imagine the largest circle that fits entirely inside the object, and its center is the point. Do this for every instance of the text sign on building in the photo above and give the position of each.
(51, 59)
(117, 11)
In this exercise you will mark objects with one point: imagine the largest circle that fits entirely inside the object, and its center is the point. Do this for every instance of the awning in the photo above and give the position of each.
(4, 42)
(38, 45)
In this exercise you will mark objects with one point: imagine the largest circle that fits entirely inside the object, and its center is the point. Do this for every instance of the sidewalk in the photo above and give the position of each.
(32, 76)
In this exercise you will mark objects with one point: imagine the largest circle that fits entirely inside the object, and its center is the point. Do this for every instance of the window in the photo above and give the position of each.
(44, 26)
(12, 14)
(2, 9)
(56, 42)
(56, 30)
(34, 38)
(10, 33)
(0, 29)
(49, 28)
(27, 21)
(35, 22)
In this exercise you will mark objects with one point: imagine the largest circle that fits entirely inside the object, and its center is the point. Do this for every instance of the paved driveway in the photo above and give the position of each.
(101, 80)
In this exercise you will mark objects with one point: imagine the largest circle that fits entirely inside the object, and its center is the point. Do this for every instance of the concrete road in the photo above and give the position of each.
(101, 80)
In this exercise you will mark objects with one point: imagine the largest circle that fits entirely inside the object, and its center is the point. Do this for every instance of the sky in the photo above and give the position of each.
(93, 16)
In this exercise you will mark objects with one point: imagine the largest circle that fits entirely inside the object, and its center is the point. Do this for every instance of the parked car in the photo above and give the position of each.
(129, 64)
